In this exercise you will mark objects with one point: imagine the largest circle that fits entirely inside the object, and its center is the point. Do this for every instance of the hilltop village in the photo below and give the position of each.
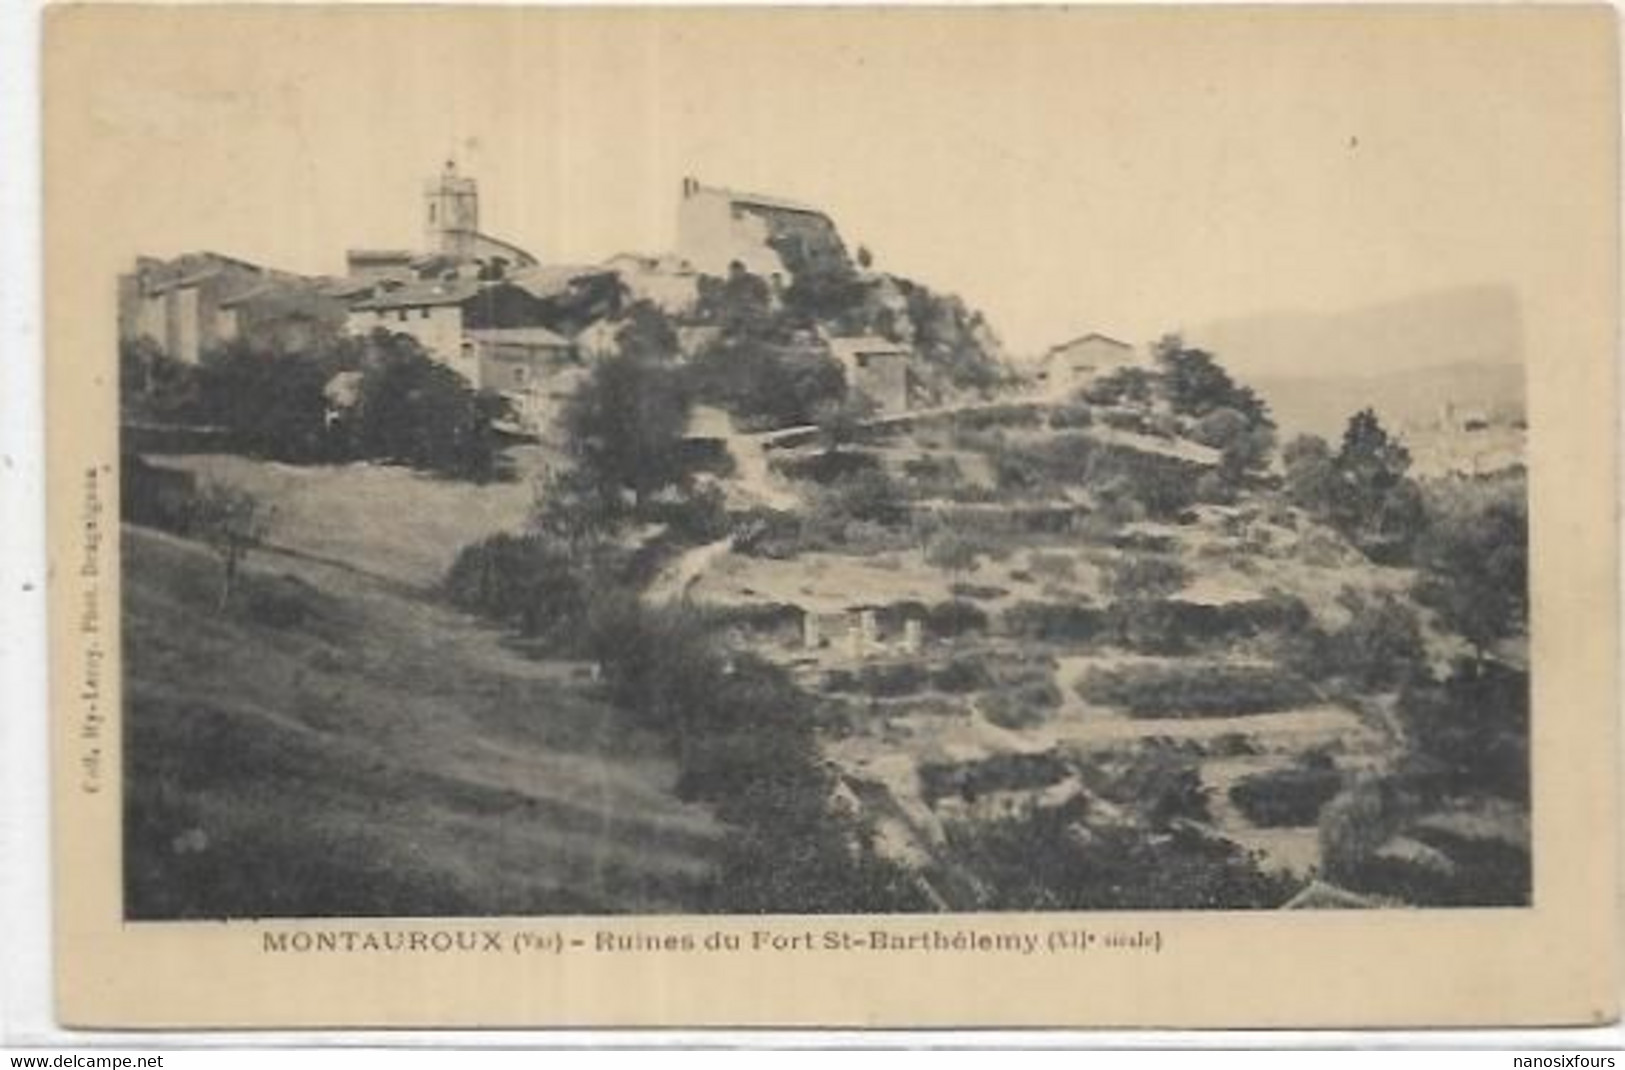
(517, 327)
(749, 577)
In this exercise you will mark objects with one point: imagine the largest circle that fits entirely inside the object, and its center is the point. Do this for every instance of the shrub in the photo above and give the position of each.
(948, 620)
(1021, 706)
(824, 467)
(962, 674)
(694, 514)
(280, 601)
(1290, 797)
(933, 477)
(1008, 771)
(1053, 566)
(1206, 689)
(155, 496)
(1126, 420)
(1144, 576)
(1379, 648)
(1474, 726)
(1175, 627)
(868, 494)
(953, 552)
(1053, 621)
(1071, 417)
(1049, 860)
(1155, 781)
(530, 582)
(978, 592)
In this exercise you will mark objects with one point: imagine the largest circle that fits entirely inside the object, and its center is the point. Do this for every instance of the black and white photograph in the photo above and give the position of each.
(651, 472)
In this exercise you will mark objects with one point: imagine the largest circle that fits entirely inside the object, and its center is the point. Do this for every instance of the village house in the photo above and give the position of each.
(183, 304)
(877, 368)
(670, 283)
(1075, 364)
(438, 314)
(532, 368)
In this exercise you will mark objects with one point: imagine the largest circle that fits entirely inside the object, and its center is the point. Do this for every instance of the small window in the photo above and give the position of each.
(402, 315)
(519, 375)
(424, 314)
(863, 360)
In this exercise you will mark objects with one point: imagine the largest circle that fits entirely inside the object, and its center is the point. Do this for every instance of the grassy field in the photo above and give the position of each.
(328, 744)
(387, 520)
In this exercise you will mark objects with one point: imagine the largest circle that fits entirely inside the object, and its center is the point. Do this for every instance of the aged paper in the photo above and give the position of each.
(1117, 529)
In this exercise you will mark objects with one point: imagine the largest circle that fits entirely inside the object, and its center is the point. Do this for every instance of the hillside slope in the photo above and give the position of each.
(328, 745)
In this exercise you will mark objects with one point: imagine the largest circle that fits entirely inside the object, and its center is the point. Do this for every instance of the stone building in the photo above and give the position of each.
(439, 313)
(876, 367)
(769, 236)
(451, 222)
(183, 304)
(1076, 363)
(532, 368)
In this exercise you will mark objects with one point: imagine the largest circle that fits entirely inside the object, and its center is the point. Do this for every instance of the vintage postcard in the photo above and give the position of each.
(833, 517)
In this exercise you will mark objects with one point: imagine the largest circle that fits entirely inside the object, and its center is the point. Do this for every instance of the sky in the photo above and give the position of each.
(1065, 171)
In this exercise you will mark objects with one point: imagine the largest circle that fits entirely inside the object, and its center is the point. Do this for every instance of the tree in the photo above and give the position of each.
(1244, 446)
(1195, 384)
(416, 411)
(741, 304)
(1363, 490)
(1374, 502)
(624, 426)
(272, 401)
(232, 521)
(1475, 570)
(1311, 473)
(647, 333)
(953, 553)
(840, 421)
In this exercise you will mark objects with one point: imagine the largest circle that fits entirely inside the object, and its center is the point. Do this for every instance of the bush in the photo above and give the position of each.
(1474, 726)
(824, 467)
(1156, 782)
(1144, 576)
(1052, 566)
(975, 591)
(1008, 771)
(1049, 860)
(1021, 706)
(280, 602)
(953, 552)
(933, 477)
(1071, 417)
(962, 674)
(880, 681)
(868, 494)
(1053, 621)
(1175, 627)
(1291, 797)
(1379, 648)
(1183, 690)
(156, 497)
(529, 582)
(948, 620)
(695, 514)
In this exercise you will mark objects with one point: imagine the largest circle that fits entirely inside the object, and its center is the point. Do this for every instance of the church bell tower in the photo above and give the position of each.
(451, 206)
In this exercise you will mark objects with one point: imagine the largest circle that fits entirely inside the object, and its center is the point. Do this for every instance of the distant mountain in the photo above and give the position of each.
(1321, 405)
(1405, 358)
